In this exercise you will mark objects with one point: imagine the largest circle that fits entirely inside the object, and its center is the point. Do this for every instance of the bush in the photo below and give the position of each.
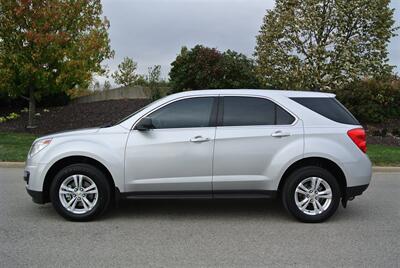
(396, 132)
(372, 100)
(54, 99)
(47, 100)
(12, 116)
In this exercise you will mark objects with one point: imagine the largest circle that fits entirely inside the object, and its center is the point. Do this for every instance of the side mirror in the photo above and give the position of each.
(145, 124)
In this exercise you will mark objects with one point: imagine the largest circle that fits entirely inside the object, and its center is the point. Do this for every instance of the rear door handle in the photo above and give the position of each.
(279, 134)
(199, 139)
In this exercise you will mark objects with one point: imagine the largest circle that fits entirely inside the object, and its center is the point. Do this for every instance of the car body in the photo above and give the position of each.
(210, 144)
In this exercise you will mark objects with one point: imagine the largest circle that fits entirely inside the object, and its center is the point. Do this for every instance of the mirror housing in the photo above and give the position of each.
(145, 124)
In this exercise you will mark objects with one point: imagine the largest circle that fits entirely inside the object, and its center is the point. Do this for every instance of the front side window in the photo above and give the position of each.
(250, 111)
(187, 113)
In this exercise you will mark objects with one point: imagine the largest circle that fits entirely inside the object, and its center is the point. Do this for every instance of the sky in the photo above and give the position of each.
(152, 32)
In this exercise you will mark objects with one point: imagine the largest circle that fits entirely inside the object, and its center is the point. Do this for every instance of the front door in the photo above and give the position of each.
(176, 156)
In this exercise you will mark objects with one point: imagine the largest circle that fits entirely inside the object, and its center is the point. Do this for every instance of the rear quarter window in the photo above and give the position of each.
(330, 108)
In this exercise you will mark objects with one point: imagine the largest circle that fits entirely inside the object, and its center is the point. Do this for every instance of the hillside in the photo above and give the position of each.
(72, 116)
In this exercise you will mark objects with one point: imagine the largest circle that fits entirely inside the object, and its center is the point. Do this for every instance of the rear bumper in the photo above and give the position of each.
(37, 197)
(355, 190)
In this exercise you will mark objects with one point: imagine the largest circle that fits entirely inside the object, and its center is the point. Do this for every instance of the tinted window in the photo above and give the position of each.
(330, 108)
(283, 117)
(195, 112)
(247, 111)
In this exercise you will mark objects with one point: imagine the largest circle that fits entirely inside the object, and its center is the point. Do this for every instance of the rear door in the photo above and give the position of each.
(250, 131)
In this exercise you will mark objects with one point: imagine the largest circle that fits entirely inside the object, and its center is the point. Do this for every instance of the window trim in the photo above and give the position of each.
(212, 116)
(221, 111)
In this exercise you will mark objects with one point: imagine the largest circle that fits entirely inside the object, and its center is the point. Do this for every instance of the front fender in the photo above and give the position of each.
(107, 149)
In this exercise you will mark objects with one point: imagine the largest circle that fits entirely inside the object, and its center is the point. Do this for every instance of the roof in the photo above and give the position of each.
(261, 92)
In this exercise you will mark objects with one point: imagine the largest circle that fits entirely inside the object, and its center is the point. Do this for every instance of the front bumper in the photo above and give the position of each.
(37, 197)
(34, 179)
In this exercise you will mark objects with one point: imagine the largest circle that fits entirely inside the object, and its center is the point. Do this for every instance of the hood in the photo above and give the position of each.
(71, 133)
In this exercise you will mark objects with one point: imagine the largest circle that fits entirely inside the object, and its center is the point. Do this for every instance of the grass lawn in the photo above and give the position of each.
(15, 146)
(383, 155)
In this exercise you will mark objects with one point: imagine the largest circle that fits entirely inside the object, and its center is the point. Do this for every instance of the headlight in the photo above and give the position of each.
(38, 146)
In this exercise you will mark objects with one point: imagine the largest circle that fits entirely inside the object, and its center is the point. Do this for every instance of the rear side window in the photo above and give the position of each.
(250, 111)
(329, 108)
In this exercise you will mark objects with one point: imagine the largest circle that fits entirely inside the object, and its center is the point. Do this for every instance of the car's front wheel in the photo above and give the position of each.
(80, 192)
(311, 194)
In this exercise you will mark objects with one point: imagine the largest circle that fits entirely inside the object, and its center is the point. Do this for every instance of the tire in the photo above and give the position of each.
(78, 204)
(306, 206)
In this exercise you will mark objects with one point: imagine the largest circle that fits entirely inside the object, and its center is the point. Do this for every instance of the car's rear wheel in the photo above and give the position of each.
(311, 194)
(80, 192)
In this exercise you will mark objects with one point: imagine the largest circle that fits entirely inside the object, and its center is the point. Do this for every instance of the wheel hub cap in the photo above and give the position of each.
(313, 196)
(78, 194)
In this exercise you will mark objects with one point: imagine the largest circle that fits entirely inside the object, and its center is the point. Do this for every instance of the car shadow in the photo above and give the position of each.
(189, 208)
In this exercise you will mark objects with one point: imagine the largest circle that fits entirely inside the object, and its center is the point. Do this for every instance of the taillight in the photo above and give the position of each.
(357, 135)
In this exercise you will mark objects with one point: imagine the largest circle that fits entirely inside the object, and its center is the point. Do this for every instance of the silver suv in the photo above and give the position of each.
(304, 147)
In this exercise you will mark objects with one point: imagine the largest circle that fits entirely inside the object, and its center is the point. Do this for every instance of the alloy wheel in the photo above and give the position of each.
(313, 196)
(78, 194)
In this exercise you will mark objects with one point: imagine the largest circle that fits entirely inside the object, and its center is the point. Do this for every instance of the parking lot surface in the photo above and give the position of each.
(193, 233)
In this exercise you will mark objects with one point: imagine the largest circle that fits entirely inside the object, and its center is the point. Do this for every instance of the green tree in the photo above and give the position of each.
(126, 73)
(96, 86)
(153, 81)
(50, 46)
(203, 67)
(106, 85)
(324, 44)
(238, 71)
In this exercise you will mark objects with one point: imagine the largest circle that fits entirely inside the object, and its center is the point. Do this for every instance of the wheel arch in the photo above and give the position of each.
(325, 163)
(76, 159)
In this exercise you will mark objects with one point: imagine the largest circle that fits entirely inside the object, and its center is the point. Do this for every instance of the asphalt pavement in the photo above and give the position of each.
(201, 233)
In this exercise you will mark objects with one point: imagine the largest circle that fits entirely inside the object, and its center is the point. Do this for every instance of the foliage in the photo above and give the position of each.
(323, 44)
(95, 86)
(153, 82)
(141, 81)
(107, 85)
(50, 46)
(126, 73)
(372, 100)
(202, 67)
(54, 99)
(77, 92)
(11, 116)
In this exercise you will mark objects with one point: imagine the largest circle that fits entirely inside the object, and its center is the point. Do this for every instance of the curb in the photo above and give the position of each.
(376, 169)
(12, 164)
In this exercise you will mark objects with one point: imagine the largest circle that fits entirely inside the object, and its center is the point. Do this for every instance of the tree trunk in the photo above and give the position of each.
(32, 108)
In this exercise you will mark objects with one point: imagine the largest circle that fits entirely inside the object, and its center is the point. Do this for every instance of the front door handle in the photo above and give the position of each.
(199, 139)
(279, 134)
